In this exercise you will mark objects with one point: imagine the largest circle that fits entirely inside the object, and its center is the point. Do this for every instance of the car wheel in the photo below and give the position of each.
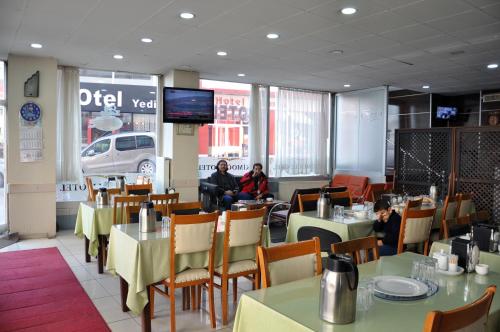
(146, 167)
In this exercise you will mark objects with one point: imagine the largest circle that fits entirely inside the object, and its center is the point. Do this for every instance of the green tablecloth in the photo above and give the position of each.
(295, 306)
(348, 230)
(91, 221)
(142, 259)
(492, 259)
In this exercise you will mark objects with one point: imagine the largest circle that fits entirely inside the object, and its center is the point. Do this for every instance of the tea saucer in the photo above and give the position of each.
(459, 271)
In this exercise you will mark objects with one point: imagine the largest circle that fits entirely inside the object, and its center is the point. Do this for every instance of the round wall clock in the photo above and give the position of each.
(30, 112)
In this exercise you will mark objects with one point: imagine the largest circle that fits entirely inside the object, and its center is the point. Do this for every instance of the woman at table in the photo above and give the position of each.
(389, 222)
(254, 184)
(226, 183)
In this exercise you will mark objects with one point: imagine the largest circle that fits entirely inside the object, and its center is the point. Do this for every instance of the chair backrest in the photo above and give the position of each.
(294, 200)
(326, 237)
(307, 198)
(120, 204)
(354, 248)
(244, 228)
(464, 205)
(449, 213)
(162, 200)
(90, 189)
(342, 198)
(446, 226)
(368, 195)
(414, 204)
(186, 208)
(377, 194)
(415, 226)
(289, 262)
(143, 179)
(334, 189)
(191, 234)
(471, 317)
(138, 189)
(483, 216)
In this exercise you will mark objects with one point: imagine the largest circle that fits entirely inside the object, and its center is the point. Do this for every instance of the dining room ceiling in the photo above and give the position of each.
(446, 44)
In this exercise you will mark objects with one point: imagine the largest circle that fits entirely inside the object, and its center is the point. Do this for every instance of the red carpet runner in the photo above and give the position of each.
(39, 292)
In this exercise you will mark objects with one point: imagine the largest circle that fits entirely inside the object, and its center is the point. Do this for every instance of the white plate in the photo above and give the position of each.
(459, 271)
(399, 286)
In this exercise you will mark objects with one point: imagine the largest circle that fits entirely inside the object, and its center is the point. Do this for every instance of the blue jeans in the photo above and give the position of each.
(245, 196)
(227, 200)
(386, 250)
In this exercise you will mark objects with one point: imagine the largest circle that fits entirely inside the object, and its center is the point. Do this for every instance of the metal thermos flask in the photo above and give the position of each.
(323, 208)
(433, 193)
(102, 197)
(147, 217)
(121, 183)
(339, 283)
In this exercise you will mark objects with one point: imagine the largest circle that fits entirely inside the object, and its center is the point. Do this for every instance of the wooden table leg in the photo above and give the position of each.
(123, 294)
(87, 243)
(146, 314)
(100, 258)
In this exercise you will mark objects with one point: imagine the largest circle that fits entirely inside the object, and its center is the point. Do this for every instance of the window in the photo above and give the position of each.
(125, 143)
(145, 142)
(3, 103)
(227, 137)
(98, 148)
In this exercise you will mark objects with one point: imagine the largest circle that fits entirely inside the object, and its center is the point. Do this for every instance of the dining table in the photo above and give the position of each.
(93, 224)
(348, 228)
(294, 306)
(142, 259)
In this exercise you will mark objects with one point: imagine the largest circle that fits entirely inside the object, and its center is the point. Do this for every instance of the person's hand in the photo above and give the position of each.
(256, 174)
(380, 243)
(229, 192)
(258, 197)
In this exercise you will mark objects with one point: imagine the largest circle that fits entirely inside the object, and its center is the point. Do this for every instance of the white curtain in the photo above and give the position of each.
(258, 124)
(302, 138)
(69, 125)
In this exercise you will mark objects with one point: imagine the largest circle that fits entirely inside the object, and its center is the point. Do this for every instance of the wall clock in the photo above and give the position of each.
(30, 112)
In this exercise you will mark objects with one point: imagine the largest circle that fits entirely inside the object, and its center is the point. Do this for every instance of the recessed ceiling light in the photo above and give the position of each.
(493, 66)
(36, 45)
(348, 11)
(347, 85)
(272, 36)
(242, 75)
(337, 52)
(425, 87)
(221, 53)
(146, 40)
(118, 56)
(186, 15)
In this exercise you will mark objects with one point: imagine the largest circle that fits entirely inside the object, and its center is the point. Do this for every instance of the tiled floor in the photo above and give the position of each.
(104, 291)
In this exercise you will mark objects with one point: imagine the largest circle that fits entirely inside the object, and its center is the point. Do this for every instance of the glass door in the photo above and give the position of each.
(3, 99)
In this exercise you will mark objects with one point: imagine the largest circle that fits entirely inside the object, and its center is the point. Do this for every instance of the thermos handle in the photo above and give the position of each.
(353, 281)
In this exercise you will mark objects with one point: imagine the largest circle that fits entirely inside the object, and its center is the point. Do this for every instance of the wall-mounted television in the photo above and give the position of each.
(182, 105)
(446, 112)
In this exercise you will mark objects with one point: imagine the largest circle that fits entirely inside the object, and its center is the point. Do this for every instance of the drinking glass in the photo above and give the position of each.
(165, 223)
(338, 213)
(415, 269)
(364, 298)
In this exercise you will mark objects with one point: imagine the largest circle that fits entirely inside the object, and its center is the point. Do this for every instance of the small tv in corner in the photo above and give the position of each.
(181, 105)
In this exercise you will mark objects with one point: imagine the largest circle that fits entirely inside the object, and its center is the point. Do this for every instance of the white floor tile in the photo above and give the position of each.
(94, 289)
(81, 273)
(127, 325)
(111, 284)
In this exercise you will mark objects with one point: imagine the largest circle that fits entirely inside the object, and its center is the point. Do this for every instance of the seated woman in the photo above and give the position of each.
(254, 184)
(227, 184)
(389, 222)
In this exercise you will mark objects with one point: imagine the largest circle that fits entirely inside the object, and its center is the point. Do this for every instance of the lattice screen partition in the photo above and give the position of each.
(423, 157)
(477, 164)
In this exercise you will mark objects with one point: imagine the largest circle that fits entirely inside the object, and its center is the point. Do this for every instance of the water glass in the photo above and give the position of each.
(165, 223)
(415, 270)
(338, 213)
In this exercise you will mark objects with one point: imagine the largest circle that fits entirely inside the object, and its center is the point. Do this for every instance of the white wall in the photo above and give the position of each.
(31, 186)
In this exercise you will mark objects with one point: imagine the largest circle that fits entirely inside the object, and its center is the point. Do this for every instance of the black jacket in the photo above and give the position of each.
(224, 181)
(391, 229)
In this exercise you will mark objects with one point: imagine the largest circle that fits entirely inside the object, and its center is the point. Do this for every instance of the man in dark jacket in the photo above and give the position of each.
(389, 222)
(227, 184)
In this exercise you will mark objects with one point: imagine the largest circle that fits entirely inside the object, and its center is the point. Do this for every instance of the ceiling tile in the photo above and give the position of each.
(381, 22)
(451, 24)
(429, 10)
(339, 34)
(411, 33)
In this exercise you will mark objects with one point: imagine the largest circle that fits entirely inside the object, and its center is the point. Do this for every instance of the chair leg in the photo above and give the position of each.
(198, 295)
(256, 281)
(224, 284)
(192, 290)
(426, 248)
(211, 303)
(172, 308)
(235, 289)
(152, 301)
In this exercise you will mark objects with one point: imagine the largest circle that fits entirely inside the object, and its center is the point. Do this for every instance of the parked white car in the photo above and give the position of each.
(120, 153)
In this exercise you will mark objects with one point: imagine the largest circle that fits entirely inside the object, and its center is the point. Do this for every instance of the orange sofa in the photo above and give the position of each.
(356, 185)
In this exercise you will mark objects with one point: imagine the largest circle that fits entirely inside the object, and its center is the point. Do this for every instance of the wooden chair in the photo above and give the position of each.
(143, 179)
(471, 317)
(416, 227)
(303, 198)
(162, 200)
(342, 198)
(355, 247)
(289, 262)
(377, 194)
(243, 228)
(189, 234)
(462, 224)
(184, 208)
(449, 212)
(120, 205)
(111, 192)
(480, 216)
(138, 189)
(414, 204)
(90, 189)
(464, 205)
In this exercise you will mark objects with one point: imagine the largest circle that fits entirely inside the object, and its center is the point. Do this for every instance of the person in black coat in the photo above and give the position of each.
(227, 184)
(389, 222)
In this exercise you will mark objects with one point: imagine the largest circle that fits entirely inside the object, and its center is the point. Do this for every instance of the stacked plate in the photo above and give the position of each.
(397, 288)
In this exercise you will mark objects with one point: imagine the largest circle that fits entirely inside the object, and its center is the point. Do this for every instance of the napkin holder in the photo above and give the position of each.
(459, 248)
(482, 235)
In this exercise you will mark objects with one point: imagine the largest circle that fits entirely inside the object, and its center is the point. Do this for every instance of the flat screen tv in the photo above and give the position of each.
(446, 112)
(182, 105)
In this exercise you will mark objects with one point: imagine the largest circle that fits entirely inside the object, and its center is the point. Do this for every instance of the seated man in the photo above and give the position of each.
(389, 222)
(254, 184)
(226, 183)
